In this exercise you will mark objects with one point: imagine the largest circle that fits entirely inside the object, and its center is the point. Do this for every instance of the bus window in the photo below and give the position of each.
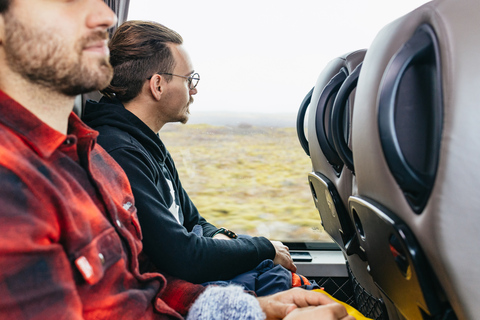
(239, 157)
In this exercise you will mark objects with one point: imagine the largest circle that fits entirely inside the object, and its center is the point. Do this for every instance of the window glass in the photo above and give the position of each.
(248, 178)
(239, 157)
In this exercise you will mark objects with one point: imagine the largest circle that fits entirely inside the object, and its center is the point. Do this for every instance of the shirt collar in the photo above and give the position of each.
(42, 138)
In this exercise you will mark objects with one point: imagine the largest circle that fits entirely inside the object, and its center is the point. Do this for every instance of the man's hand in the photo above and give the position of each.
(333, 311)
(282, 256)
(298, 303)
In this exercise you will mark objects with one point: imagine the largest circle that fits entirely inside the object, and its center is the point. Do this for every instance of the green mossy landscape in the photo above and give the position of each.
(250, 179)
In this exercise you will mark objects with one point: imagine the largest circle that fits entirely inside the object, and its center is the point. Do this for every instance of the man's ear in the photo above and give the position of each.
(156, 86)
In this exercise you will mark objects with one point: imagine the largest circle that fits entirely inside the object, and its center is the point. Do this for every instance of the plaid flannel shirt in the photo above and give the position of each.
(69, 234)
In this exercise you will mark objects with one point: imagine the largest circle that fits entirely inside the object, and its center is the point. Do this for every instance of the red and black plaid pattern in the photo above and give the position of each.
(69, 234)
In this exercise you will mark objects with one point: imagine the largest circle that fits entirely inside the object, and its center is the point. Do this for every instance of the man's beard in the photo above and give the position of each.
(40, 57)
(184, 120)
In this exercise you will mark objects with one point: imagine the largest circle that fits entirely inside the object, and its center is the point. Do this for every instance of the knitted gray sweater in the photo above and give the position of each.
(225, 303)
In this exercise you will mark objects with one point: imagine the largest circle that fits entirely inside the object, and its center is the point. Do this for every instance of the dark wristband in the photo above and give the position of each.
(226, 232)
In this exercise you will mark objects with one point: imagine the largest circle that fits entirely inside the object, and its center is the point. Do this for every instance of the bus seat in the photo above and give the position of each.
(330, 104)
(331, 181)
(415, 149)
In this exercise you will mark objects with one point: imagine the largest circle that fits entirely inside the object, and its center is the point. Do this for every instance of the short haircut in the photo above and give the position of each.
(138, 50)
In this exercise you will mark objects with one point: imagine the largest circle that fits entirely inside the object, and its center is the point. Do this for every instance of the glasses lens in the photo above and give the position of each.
(194, 80)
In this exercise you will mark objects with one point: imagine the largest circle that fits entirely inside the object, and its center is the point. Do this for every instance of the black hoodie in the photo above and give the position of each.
(168, 241)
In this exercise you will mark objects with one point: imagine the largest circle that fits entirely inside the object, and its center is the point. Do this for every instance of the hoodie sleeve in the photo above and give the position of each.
(169, 245)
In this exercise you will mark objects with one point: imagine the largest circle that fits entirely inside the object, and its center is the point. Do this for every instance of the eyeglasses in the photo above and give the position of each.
(192, 79)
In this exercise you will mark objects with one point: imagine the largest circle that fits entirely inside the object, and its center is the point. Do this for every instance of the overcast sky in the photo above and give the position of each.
(265, 55)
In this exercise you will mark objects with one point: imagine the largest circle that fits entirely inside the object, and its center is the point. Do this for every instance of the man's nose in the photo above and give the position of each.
(101, 16)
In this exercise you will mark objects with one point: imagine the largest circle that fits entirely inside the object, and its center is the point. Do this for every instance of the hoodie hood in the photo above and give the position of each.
(110, 114)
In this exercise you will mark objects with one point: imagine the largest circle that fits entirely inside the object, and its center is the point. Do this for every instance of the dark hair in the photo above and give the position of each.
(4, 5)
(138, 50)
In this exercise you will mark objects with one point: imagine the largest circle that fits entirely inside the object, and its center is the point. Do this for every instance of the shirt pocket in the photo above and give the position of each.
(100, 254)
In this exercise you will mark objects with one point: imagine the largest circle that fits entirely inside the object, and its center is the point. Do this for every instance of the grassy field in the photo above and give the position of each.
(252, 180)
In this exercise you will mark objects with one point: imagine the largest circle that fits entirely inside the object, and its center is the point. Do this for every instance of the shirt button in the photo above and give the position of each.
(102, 258)
(119, 224)
(127, 205)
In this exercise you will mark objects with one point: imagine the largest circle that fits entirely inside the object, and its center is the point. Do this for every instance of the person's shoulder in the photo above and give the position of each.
(111, 138)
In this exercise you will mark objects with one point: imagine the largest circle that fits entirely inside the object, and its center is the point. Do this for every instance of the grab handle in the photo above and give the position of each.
(322, 119)
(420, 54)
(301, 122)
(337, 119)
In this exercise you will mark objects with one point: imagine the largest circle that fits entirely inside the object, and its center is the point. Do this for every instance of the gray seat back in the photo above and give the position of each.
(332, 179)
(415, 148)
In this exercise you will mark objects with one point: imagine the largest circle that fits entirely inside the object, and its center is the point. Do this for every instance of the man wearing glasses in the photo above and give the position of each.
(154, 83)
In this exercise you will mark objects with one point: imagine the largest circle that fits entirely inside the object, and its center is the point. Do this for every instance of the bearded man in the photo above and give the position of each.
(69, 235)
